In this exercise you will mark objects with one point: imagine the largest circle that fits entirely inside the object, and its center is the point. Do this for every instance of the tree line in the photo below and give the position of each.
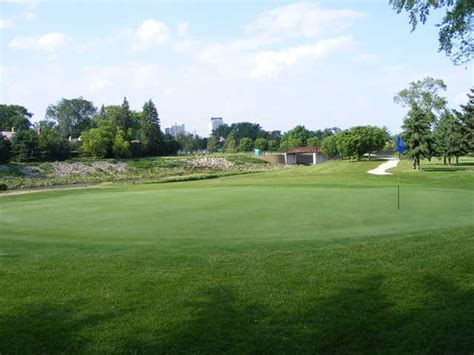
(76, 127)
(430, 129)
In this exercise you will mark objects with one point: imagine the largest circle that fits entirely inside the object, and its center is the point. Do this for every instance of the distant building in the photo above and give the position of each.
(175, 130)
(215, 122)
(8, 134)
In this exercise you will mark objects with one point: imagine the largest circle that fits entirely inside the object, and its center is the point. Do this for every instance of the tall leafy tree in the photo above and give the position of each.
(14, 116)
(98, 142)
(297, 137)
(329, 146)
(150, 133)
(273, 145)
(261, 143)
(245, 129)
(417, 135)
(455, 29)
(314, 142)
(424, 94)
(72, 115)
(222, 131)
(245, 144)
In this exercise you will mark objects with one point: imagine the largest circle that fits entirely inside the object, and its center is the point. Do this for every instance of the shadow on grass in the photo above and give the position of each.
(45, 328)
(356, 319)
(461, 166)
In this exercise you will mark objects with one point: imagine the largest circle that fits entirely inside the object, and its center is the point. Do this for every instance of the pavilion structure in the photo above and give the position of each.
(301, 155)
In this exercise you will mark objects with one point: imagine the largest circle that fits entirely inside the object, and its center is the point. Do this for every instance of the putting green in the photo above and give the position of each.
(311, 259)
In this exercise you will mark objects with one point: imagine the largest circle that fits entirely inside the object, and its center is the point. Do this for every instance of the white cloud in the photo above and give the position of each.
(301, 20)
(183, 29)
(5, 23)
(151, 33)
(271, 63)
(9, 22)
(49, 42)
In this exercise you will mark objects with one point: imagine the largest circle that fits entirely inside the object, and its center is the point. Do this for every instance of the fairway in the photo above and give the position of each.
(309, 259)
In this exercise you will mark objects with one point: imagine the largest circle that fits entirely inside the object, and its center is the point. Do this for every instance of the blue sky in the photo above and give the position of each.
(278, 63)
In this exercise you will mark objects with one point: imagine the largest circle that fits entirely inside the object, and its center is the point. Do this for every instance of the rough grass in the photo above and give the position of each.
(304, 260)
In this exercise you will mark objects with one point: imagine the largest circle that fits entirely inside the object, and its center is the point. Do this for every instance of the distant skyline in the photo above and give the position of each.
(276, 63)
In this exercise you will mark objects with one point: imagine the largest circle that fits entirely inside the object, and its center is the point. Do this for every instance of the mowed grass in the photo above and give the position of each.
(304, 260)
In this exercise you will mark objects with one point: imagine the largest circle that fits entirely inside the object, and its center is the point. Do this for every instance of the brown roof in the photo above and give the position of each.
(304, 150)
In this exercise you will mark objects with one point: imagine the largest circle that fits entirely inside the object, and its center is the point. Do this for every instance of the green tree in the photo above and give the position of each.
(212, 144)
(51, 146)
(230, 144)
(455, 30)
(120, 147)
(222, 131)
(417, 135)
(297, 137)
(14, 116)
(245, 144)
(329, 146)
(245, 129)
(124, 119)
(273, 145)
(359, 140)
(466, 116)
(150, 134)
(261, 143)
(98, 142)
(424, 95)
(313, 142)
(170, 145)
(25, 145)
(187, 142)
(5, 149)
(72, 115)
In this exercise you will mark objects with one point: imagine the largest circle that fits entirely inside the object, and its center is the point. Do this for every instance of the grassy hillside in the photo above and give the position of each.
(155, 169)
(311, 259)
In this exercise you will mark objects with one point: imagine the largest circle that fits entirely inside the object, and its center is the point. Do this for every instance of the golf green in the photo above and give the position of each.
(310, 259)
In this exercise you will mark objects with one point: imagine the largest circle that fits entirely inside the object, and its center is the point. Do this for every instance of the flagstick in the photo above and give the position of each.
(398, 176)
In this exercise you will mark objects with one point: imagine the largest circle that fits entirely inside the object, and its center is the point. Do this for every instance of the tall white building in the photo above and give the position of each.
(215, 122)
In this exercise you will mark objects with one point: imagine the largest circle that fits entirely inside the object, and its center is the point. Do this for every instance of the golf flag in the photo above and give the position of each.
(400, 145)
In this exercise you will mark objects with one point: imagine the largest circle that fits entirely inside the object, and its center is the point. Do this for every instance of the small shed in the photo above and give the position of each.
(304, 155)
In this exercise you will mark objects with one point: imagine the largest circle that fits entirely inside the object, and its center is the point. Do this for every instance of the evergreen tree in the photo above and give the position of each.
(25, 145)
(230, 144)
(212, 144)
(150, 134)
(124, 119)
(102, 113)
(5, 149)
(417, 135)
(467, 122)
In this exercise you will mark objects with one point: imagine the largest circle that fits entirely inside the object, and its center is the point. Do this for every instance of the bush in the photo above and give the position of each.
(3, 187)
(245, 145)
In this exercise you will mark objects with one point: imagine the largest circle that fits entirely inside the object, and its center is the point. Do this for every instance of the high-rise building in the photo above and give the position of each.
(215, 122)
(175, 130)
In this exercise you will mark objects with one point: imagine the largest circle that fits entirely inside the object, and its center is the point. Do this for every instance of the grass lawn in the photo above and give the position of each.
(303, 260)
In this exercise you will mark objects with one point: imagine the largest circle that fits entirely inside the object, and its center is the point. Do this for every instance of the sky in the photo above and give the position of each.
(277, 63)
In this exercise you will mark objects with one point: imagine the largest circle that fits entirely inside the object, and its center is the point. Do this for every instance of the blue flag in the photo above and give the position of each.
(400, 145)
